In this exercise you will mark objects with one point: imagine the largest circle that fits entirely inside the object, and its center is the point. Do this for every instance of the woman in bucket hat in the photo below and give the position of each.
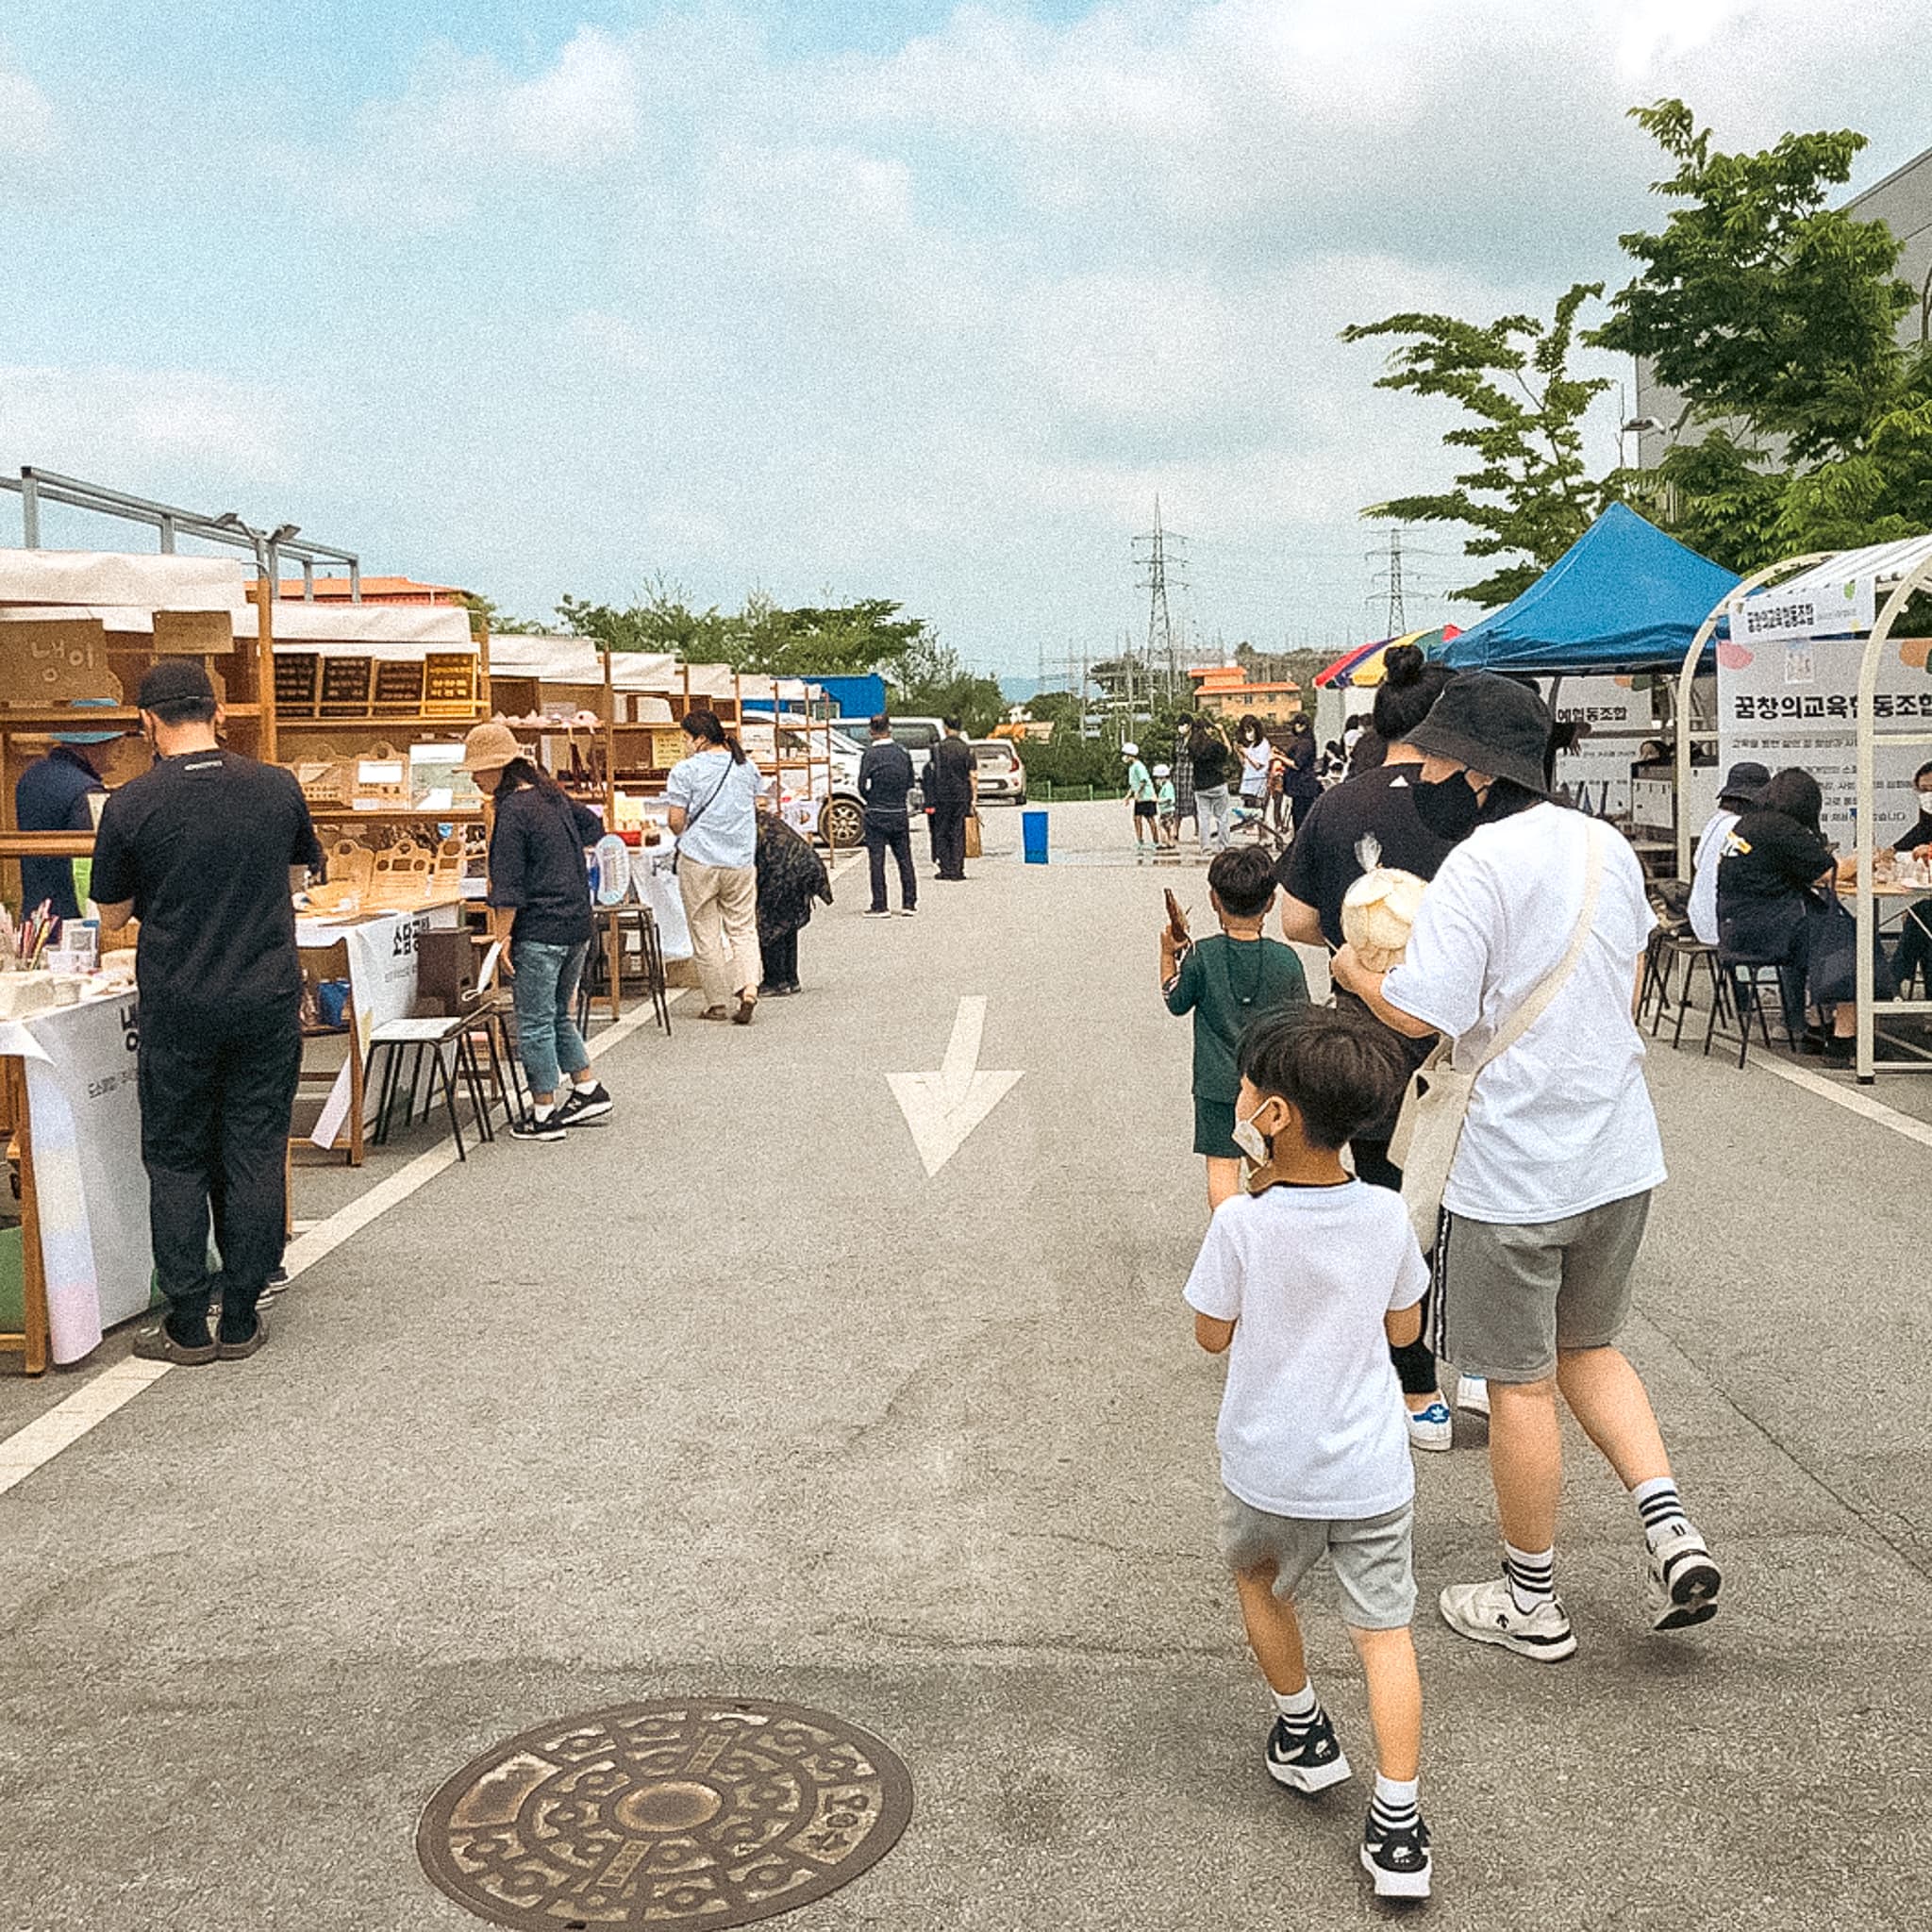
(1541, 913)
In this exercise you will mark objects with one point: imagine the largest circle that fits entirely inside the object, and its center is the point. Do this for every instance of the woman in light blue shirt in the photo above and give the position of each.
(713, 798)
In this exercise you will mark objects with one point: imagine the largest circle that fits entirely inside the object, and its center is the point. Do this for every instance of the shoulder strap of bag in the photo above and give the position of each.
(692, 816)
(1553, 982)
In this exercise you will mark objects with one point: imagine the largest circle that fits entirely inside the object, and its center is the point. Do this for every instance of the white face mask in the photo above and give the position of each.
(1251, 1140)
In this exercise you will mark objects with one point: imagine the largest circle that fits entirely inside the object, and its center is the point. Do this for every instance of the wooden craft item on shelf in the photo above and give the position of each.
(345, 687)
(298, 683)
(404, 873)
(398, 687)
(447, 874)
(193, 633)
(449, 684)
(382, 778)
(326, 780)
(49, 660)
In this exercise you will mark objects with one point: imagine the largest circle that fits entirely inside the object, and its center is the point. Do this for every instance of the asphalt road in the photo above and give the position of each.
(729, 1396)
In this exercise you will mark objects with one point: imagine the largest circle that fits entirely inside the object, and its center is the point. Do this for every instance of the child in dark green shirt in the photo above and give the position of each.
(1225, 982)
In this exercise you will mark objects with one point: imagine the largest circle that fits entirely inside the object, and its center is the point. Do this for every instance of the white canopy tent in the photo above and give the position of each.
(105, 580)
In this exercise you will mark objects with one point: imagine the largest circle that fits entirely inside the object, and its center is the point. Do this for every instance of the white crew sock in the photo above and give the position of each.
(1532, 1576)
(1394, 1805)
(1662, 1509)
(1298, 1706)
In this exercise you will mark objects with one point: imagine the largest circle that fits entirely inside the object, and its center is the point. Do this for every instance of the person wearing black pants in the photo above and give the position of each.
(951, 784)
(205, 849)
(885, 783)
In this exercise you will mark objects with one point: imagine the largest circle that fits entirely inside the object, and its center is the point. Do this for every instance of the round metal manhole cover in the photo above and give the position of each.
(686, 1811)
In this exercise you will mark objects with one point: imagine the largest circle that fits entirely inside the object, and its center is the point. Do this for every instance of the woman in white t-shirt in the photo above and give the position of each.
(1256, 755)
(1545, 1204)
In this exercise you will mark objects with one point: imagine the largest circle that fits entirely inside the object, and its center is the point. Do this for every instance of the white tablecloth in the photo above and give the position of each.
(90, 1186)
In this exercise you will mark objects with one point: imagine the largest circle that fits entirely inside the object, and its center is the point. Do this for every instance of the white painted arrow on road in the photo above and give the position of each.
(942, 1109)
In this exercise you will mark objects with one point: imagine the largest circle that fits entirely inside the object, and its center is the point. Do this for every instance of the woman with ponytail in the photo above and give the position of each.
(712, 793)
(1370, 819)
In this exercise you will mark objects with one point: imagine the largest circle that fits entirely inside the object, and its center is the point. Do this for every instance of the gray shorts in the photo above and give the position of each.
(1508, 1298)
(1373, 1561)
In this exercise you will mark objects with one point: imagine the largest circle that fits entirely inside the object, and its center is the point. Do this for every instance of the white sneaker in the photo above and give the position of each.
(1472, 1395)
(1487, 1612)
(1431, 1427)
(1684, 1582)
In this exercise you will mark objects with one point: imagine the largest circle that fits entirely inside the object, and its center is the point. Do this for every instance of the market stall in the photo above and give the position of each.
(1815, 672)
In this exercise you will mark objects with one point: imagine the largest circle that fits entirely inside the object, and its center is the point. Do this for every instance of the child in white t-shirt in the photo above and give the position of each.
(1304, 1280)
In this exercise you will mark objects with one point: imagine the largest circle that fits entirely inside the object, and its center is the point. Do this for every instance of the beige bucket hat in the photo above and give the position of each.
(489, 747)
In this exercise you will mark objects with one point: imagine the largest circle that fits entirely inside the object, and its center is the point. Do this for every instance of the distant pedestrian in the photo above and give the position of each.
(1167, 818)
(1258, 758)
(1526, 954)
(885, 783)
(539, 911)
(1213, 761)
(205, 848)
(952, 788)
(712, 793)
(1306, 1281)
(1300, 784)
(1227, 982)
(1141, 799)
(791, 876)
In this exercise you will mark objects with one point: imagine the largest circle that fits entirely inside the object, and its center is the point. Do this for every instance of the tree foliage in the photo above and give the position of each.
(1528, 494)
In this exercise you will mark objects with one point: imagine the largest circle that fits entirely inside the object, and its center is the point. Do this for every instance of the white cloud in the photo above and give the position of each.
(108, 421)
(28, 124)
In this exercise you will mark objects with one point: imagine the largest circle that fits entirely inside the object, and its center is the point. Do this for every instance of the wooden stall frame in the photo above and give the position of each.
(31, 1341)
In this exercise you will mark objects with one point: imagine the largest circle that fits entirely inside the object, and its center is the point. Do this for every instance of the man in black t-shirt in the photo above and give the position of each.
(885, 783)
(205, 850)
(952, 779)
(1317, 870)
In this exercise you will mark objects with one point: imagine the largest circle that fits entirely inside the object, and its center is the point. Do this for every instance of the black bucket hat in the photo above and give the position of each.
(1491, 724)
(1744, 783)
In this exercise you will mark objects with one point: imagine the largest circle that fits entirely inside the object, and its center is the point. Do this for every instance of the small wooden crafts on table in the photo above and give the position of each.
(398, 877)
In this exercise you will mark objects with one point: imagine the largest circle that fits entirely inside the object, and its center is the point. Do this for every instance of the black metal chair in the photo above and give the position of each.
(1744, 980)
(426, 1039)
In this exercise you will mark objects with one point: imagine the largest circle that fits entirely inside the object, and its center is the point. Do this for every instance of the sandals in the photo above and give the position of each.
(715, 1013)
(747, 1005)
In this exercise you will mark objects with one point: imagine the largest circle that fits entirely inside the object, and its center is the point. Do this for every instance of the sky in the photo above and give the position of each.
(904, 299)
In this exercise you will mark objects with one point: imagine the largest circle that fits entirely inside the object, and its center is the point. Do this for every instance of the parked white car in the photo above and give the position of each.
(1002, 776)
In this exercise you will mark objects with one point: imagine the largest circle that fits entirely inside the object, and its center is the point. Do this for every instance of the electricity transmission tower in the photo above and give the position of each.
(1391, 587)
(1162, 559)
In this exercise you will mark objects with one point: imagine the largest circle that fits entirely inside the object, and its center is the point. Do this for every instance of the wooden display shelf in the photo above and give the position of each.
(411, 719)
(78, 717)
(46, 844)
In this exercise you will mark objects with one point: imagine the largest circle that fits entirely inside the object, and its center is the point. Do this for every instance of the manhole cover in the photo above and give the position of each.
(700, 1811)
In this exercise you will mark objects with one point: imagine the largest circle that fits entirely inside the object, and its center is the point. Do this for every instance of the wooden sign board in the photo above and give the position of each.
(345, 687)
(399, 688)
(667, 747)
(449, 684)
(193, 633)
(298, 679)
(48, 660)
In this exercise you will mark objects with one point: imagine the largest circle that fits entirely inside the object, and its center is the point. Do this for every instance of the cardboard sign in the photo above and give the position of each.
(345, 687)
(47, 661)
(667, 748)
(193, 633)
(298, 678)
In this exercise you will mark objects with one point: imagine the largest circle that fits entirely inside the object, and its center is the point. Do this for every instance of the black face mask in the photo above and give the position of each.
(1449, 807)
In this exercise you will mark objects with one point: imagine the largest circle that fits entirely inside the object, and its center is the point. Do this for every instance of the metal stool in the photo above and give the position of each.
(428, 1036)
(1744, 980)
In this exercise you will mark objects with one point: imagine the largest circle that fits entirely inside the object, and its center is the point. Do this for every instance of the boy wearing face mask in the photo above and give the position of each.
(1304, 1281)
(1225, 982)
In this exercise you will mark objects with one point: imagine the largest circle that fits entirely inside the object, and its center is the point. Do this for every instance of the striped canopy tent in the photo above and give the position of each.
(1362, 667)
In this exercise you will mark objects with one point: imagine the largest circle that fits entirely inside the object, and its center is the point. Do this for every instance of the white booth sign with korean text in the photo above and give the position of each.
(1788, 699)
(1597, 769)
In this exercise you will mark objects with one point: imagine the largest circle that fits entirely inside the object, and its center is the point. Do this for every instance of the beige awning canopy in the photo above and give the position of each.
(106, 580)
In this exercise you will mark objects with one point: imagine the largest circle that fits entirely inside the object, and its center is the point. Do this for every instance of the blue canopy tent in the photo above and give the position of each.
(1623, 598)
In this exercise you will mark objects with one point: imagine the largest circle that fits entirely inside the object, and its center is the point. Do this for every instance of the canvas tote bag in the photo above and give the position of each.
(974, 848)
(1429, 1128)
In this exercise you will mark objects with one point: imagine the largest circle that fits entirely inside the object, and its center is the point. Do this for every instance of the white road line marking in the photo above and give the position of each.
(97, 1398)
(1853, 1099)
(942, 1108)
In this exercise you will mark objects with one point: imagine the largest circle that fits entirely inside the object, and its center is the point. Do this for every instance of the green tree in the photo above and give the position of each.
(487, 614)
(1529, 494)
(1775, 317)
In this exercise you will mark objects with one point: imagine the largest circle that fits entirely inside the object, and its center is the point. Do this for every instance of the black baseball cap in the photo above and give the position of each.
(1744, 783)
(1491, 724)
(171, 679)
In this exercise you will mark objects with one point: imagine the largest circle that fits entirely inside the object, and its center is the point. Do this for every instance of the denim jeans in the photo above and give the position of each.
(544, 991)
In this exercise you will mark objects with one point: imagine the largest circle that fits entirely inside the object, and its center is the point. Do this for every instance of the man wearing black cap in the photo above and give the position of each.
(1743, 787)
(1526, 954)
(205, 849)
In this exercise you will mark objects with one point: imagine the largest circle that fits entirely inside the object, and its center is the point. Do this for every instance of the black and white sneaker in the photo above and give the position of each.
(585, 1104)
(1306, 1757)
(878, 912)
(1490, 1613)
(1684, 1582)
(530, 1128)
(1397, 1860)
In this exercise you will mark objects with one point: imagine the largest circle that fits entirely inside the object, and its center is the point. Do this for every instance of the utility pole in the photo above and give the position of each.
(1162, 557)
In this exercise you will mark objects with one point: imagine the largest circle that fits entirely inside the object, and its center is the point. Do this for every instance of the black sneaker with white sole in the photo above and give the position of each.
(1306, 1757)
(585, 1104)
(1398, 1860)
(1684, 1582)
(531, 1128)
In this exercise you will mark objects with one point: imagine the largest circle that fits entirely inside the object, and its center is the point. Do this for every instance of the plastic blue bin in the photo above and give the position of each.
(1033, 836)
